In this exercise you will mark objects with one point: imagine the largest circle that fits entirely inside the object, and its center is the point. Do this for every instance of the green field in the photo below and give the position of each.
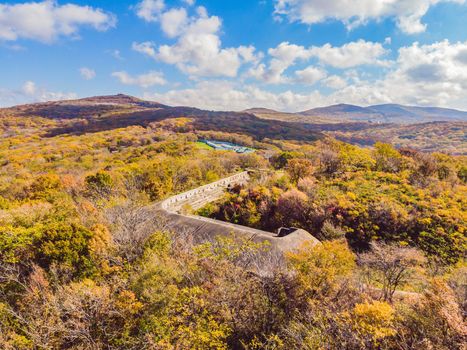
(202, 145)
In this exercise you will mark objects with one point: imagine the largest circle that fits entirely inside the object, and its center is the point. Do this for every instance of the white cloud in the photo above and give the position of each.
(310, 75)
(286, 55)
(189, 2)
(352, 54)
(429, 75)
(47, 20)
(198, 51)
(407, 13)
(29, 88)
(87, 73)
(117, 55)
(174, 22)
(144, 80)
(39, 94)
(198, 48)
(283, 56)
(335, 82)
(29, 93)
(146, 48)
(150, 10)
(433, 75)
(223, 95)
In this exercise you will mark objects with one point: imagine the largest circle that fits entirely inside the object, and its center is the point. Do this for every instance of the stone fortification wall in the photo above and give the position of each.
(199, 197)
(205, 227)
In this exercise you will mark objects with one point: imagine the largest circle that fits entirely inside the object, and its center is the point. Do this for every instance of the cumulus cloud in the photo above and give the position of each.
(408, 14)
(352, 54)
(198, 48)
(282, 57)
(335, 82)
(87, 73)
(310, 75)
(144, 80)
(40, 94)
(224, 95)
(174, 22)
(150, 10)
(29, 93)
(434, 74)
(147, 48)
(428, 75)
(47, 20)
(286, 55)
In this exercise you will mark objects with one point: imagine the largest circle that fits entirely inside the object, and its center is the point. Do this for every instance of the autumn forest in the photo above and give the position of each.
(85, 263)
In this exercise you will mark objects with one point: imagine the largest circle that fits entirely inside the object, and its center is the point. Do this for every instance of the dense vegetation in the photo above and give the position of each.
(442, 136)
(447, 137)
(85, 263)
(382, 194)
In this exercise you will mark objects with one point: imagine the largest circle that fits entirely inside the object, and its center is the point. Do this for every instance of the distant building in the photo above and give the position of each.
(227, 146)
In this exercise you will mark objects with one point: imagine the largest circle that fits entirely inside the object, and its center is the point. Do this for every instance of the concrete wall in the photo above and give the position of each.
(204, 194)
(202, 227)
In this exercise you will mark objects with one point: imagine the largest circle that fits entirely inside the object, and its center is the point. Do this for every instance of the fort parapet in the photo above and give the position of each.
(174, 206)
(199, 197)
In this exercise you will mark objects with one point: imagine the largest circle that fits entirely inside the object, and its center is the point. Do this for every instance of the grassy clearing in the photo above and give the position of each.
(202, 145)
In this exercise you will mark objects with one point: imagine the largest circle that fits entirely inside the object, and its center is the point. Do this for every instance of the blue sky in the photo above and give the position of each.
(289, 55)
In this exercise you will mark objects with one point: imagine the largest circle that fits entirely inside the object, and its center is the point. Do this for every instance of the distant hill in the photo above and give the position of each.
(261, 111)
(381, 114)
(100, 113)
(386, 113)
(83, 108)
(266, 113)
(404, 126)
(119, 100)
(344, 113)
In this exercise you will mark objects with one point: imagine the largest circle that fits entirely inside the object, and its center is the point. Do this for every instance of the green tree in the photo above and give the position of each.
(99, 184)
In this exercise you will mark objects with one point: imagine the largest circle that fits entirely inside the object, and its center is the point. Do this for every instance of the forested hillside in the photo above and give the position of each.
(86, 264)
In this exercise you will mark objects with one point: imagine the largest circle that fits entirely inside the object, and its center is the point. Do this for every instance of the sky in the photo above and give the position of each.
(288, 55)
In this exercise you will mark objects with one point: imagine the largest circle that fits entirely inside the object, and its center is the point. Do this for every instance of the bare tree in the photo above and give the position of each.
(131, 227)
(329, 161)
(390, 265)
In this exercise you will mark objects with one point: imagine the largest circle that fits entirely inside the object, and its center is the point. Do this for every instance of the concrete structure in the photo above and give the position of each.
(227, 146)
(197, 198)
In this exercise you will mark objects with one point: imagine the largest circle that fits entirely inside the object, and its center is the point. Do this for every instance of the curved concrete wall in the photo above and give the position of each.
(202, 226)
(204, 194)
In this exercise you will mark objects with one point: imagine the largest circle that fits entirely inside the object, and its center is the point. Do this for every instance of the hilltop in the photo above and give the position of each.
(383, 113)
(386, 113)
(424, 128)
(102, 113)
(118, 100)
(403, 126)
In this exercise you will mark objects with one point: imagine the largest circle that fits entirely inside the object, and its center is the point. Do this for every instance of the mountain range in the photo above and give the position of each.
(424, 128)
(339, 113)
(386, 113)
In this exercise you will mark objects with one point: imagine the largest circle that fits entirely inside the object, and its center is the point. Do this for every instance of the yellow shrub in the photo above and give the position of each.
(320, 267)
(374, 320)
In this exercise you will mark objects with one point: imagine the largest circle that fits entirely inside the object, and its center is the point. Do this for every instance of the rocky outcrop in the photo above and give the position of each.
(173, 209)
